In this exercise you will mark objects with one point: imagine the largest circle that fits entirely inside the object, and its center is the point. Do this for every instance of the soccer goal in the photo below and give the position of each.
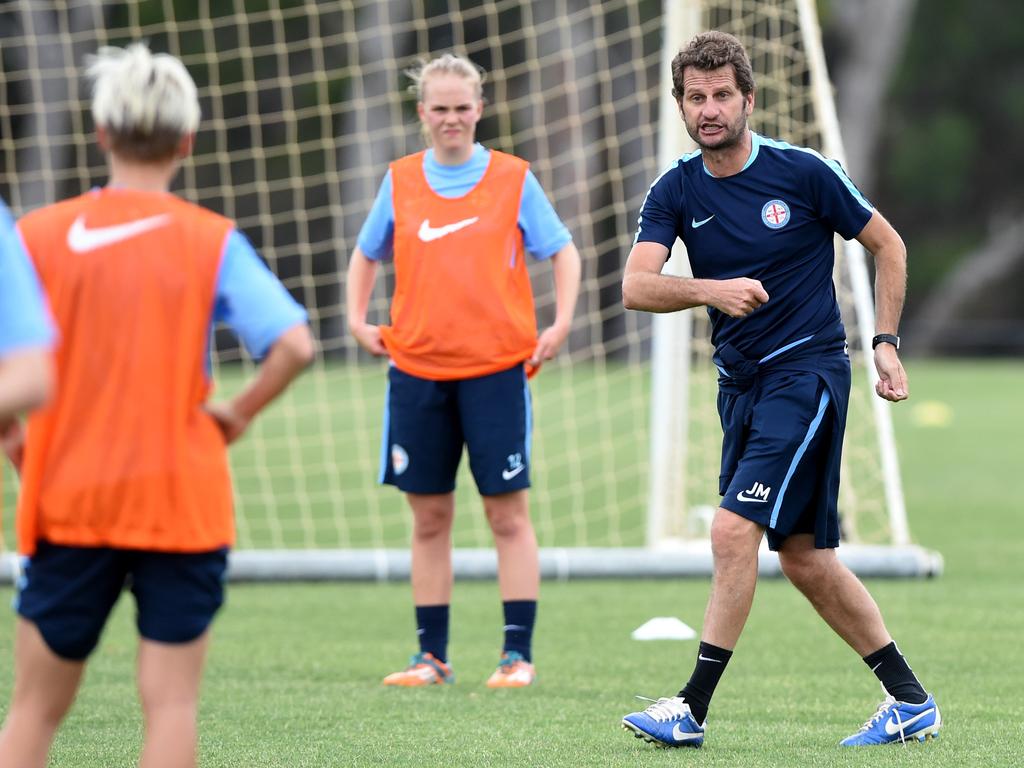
(305, 103)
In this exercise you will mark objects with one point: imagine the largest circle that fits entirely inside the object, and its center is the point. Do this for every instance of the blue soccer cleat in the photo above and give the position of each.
(898, 722)
(666, 723)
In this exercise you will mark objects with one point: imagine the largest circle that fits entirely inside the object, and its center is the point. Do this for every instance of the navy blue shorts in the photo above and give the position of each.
(778, 464)
(68, 593)
(426, 424)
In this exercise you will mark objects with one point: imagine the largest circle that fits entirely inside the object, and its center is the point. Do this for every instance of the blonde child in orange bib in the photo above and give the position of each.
(125, 479)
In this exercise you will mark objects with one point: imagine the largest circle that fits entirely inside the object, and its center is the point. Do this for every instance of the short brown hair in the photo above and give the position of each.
(713, 50)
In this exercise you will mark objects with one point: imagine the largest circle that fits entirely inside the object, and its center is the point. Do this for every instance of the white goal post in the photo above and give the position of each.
(304, 104)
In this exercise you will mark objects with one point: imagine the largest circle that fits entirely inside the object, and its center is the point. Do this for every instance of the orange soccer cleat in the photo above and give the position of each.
(423, 669)
(513, 671)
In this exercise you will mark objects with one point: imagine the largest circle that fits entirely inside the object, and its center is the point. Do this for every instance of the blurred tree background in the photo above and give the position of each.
(945, 158)
(930, 96)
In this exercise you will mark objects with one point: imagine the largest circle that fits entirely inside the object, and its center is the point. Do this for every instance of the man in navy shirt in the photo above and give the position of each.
(758, 218)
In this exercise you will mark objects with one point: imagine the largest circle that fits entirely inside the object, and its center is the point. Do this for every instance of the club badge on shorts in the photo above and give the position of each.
(775, 214)
(399, 459)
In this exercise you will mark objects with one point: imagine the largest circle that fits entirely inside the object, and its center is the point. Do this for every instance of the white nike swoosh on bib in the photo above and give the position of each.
(82, 239)
(892, 727)
(428, 233)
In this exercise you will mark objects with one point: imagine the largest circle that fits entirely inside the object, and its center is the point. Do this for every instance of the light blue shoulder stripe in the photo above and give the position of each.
(640, 216)
(835, 167)
(678, 161)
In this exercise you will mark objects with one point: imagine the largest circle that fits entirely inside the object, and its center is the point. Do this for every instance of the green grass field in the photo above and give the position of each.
(293, 677)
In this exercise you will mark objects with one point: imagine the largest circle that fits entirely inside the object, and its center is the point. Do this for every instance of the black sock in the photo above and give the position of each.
(711, 661)
(432, 628)
(520, 616)
(895, 674)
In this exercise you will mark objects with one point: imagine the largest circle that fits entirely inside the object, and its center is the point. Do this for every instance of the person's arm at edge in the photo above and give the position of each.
(884, 243)
(288, 356)
(645, 288)
(26, 358)
(565, 264)
(26, 381)
(268, 322)
(362, 272)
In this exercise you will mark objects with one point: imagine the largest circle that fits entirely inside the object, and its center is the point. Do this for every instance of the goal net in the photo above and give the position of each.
(304, 104)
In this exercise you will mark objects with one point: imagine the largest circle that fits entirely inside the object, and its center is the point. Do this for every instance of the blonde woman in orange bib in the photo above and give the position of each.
(459, 220)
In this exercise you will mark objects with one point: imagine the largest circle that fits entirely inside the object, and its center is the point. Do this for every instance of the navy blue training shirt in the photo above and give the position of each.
(774, 221)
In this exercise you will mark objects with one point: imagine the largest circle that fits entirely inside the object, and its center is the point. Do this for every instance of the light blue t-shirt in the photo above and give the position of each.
(544, 234)
(24, 318)
(250, 298)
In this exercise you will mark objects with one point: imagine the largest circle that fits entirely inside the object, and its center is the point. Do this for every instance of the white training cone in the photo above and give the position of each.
(664, 628)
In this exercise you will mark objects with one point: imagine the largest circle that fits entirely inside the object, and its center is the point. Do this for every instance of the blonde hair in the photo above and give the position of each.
(147, 102)
(445, 64)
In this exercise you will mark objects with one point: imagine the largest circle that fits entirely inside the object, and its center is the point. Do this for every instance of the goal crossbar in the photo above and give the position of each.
(673, 560)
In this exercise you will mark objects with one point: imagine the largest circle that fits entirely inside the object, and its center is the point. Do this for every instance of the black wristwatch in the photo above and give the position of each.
(885, 338)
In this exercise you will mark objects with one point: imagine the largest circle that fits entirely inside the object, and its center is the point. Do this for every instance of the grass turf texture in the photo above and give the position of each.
(293, 677)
